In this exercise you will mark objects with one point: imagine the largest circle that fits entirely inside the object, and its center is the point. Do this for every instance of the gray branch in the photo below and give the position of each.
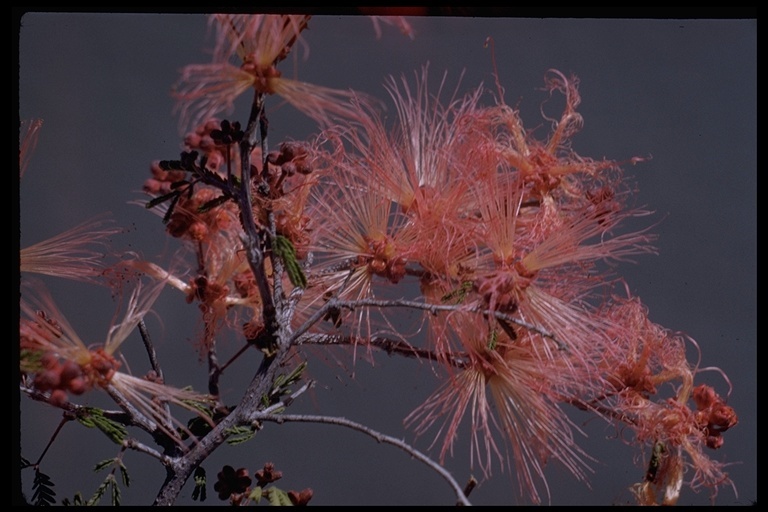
(378, 436)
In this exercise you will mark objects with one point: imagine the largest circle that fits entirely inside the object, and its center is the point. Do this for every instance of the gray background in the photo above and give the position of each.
(682, 90)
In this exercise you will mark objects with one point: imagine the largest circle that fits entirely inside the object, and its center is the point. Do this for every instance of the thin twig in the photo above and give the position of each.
(435, 308)
(388, 345)
(64, 420)
(251, 238)
(152, 354)
(73, 408)
(331, 304)
(135, 444)
(149, 346)
(183, 467)
(286, 402)
(214, 371)
(137, 418)
(378, 436)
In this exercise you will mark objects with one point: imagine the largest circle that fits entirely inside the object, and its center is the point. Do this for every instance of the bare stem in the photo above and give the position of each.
(435, 308)
(251, 238)
(65, 419)
(378, 436)
(135, 444)
(388, 345)
(151, 353)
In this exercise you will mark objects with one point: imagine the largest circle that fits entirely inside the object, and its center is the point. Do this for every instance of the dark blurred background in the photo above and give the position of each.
(681, 90)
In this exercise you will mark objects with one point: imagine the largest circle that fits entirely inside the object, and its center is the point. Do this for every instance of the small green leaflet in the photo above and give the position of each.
(457, 296)
(239, 435)
(92, 417)
(278, 497)
(285, 250)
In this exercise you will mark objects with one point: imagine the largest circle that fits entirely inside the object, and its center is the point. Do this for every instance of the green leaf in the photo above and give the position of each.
(43, 495)
(99, 493)
(295, 375)
(29, 360)
(493, 339)
(76, 501)
(115, 494)
(110, 482)
(256, 494)
(282, 381)
(204, 406)
(200, 481)
(278, 497)
(103, 464)
(239, 434)
(124, 475)
(171, 207)
(213, 203)
(171, 165)
(161, 199)
(285, 250)
(458, 295)
(92, 417)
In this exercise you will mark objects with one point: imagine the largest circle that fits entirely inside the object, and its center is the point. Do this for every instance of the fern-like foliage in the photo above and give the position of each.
(200, 485)
(92, 417)
(110, 483)
(43, 494)
(285, 250)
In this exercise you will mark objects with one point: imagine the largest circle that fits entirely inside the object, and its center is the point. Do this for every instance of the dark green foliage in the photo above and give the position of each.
(457, 296)
(280, 386)
(43, 494)
(200, 485)
(230, 133)
(77, 501)
(110, 482)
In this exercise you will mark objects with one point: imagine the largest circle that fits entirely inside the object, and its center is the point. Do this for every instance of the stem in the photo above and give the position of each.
(152, 354)
(434, 308)
(378, 436)
(388, 345)
(180, 469)
(251, 239)
(63, 421)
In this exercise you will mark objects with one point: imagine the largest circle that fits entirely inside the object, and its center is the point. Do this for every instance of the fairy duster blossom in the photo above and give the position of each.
(77, 253)
(258, 43)
(57, 361)
(511, 394)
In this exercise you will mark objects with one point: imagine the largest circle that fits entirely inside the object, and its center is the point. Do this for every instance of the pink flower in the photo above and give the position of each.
(423, 164)
(59, 362)
(77, 253)
(223, 287)
(29, 133)
(678, 431)
(510, 393)
(259, 42)
(359, 239)
(73, 254)
(397, 21)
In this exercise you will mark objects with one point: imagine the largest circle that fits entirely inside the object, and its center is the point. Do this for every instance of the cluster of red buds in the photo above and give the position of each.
(60, 378)
(235, 484)
(713, 415)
